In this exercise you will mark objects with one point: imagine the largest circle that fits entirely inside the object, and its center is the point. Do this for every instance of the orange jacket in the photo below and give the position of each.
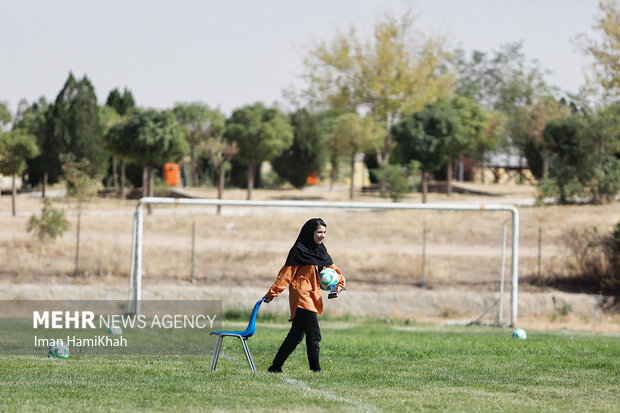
(304, 287)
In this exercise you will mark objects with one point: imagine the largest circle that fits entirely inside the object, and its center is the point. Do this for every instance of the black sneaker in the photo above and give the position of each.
(272, 369)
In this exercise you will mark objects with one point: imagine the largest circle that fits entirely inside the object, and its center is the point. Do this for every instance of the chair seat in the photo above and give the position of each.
(231, 333)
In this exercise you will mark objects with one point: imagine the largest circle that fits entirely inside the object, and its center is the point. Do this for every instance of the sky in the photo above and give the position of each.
(230, 53)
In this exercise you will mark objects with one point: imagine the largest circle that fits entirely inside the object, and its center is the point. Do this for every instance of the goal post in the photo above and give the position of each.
(135, 275)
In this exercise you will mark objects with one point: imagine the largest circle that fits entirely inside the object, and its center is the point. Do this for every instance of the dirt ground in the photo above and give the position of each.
(238, 253)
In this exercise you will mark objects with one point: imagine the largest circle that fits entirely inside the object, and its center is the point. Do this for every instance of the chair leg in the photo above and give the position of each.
(248, 354)
(216, 352)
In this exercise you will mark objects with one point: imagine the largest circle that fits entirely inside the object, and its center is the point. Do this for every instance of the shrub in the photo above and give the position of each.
(50, 225)
(595, 259)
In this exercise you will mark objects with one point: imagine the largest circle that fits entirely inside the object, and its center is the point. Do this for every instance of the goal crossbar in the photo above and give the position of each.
(135, 275)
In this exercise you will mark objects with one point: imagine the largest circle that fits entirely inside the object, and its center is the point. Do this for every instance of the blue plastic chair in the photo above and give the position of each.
(242, 335)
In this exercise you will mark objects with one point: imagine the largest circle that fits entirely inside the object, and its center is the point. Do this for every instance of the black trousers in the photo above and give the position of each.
(305, 322)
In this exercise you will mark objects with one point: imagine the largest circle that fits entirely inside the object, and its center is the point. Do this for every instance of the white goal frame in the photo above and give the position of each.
(135, 275)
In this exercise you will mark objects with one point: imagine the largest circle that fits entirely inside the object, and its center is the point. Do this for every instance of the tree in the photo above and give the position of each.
(571, 155)
(326, 122)
(81, 186)
(220, 154)
(353, 134)
(109, 117)
(149, 138)
(31, 118)
(422, 135)
(5, 119)
(5, 115)
(606, 52)
(503, 82)
(395, 73)
(122, 105)
(202, 123)
(72, 126)
(15, 147)
(490, 139)
(604, 129)
(473, 122)
(303, 157)
(585, 155)
(261, 134)
(530, 122)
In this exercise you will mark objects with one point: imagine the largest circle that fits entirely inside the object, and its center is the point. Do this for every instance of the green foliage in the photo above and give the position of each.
(122, 104)
(261, 133)
(399, 181)
(5, 115)
(201, 121)
(605, 72)
(584, 156)
(473, 120)
(77, 180)
(305, 155)
(205, 127)
(393, 72)
(15, 147)
(50, 225)
(148, 137)
(503, 82)
(31, 118)
(422, 136)
(73, 126)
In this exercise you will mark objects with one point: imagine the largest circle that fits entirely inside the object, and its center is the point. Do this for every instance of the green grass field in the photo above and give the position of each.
(368, 366)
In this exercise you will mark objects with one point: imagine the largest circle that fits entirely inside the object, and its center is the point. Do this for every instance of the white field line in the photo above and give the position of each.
(328, 395)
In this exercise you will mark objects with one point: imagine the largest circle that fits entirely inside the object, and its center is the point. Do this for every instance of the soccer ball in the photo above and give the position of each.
(329, 278)
(58, 350)
(519, 333)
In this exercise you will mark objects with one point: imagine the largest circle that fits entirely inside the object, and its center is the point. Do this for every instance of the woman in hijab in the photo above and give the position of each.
(300, 273)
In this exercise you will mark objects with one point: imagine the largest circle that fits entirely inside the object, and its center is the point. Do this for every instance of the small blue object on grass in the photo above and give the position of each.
(242, 335)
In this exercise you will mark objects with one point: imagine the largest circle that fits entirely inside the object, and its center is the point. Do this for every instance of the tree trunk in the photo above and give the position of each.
(383, 159)
(114, 175)
(250, 180)
(424, 186)
(449, 177)
(545, 166)
(45, 177)
(333, 174)
(145, 181)
(145, 186)
(151, 181)
(220, 185)
(192, 167)
(123, 179)
(77, 243)
(484, 167)
(352, 175)
(13, 192)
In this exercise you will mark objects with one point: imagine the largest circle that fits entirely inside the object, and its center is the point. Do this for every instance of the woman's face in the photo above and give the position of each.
(319, 234)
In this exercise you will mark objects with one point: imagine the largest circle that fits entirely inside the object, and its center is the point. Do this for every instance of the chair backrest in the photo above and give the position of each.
(249, 332)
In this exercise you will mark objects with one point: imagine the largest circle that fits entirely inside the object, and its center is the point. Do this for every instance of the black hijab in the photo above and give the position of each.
(306, 251)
